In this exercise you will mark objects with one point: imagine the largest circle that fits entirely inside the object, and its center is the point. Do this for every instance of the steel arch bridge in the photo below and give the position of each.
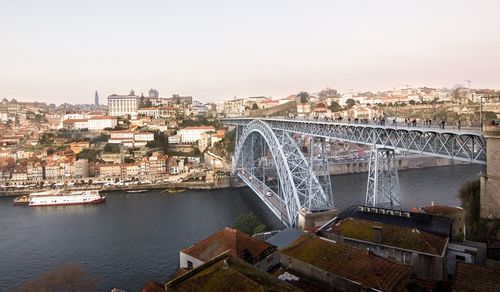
(304, 182)
(298, 184)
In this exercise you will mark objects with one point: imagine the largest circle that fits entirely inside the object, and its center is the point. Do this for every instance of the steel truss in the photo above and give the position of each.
(458, 145)
(382, 189)
(298, 188)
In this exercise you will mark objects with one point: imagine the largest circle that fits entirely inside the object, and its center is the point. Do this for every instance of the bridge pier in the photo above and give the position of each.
(382, 189)
(490, 182)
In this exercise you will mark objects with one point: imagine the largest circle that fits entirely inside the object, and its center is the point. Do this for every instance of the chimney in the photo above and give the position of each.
(377, 234)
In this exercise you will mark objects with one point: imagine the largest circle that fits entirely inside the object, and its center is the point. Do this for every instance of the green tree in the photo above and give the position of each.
(349, 103)
(249, 224)
(46, 139)
(111, 148)
(328, 93)
(335, 106)
(92, 155)
(411, 102)
(304, 97)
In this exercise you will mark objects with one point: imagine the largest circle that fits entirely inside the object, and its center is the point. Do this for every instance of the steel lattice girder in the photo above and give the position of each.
(300, 187)
(382, 189)
(457, 145)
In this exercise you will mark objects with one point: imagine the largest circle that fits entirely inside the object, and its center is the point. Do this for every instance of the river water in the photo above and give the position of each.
(133, 238)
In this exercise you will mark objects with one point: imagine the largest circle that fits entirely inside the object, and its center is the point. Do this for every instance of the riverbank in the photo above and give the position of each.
(163, 186)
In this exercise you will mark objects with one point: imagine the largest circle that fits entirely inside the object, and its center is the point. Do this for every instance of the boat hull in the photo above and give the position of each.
(98, 201)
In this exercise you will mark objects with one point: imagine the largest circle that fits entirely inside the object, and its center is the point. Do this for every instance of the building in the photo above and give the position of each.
(123, 105)
(130, 138)
(96, 99)
(99, 123)
(243, 246)
(343, 267)
(225, 272)
(418, 239)
(109, 170)
(456, 214)
(193, 134)
(476, 278)
(81, 168)
(234, 108)
(152, 112)
(78, 147)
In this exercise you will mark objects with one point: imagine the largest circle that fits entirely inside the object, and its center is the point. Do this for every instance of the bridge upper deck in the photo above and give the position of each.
(465, 144)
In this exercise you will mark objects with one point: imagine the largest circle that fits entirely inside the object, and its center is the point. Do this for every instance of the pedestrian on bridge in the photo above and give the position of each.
(459, 125)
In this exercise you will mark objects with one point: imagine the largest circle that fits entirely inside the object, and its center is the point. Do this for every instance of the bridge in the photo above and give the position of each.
(285, 161)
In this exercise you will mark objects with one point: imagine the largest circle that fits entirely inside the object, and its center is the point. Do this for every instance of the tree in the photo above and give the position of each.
(46, 139)
(349, 103)
(101, 138)
(304, 97)
(328, 93)
(411, 102)
(69, 277)
(249, 224)
(90, 154)
(128, 160)
(335, 106)
(112, 148)
(255, 106)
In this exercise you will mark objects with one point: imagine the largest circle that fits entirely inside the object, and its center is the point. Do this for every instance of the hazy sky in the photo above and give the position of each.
(61, 51)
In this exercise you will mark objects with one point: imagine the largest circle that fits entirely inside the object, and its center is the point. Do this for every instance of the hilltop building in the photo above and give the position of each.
(122, 105)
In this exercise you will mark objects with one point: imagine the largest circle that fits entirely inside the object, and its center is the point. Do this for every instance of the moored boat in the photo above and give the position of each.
(21, 200)
(137, 191)
(57, 198)
(174, 190)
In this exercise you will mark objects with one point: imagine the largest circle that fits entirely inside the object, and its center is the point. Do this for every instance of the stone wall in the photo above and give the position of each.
(490, 182)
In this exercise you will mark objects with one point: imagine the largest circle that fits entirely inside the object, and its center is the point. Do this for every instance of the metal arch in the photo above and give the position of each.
(466, 146)
(300, 187)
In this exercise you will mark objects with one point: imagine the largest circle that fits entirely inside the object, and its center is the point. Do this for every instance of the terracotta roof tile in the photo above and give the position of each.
(241, 245)
(471, 277)
(348, 262)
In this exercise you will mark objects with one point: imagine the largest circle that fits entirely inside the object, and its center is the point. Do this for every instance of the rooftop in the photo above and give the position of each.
(352, 263)
(442, 210)
(227, 273)
(424, 222)
(471, 277)
(241, 245)
(392, 235)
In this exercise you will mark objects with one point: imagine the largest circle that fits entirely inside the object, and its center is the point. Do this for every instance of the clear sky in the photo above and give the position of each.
(62, 51)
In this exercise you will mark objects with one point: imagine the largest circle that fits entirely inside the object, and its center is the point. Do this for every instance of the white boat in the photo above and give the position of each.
(137, 191)
(58, 197)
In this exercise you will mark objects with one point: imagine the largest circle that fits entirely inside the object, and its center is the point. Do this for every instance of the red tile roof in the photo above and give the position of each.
(442, 210)
(240, 244)
(227, 273)
(352, 263)
(471, 277)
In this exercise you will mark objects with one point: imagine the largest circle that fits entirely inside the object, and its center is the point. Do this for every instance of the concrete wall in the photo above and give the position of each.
(184, 258)
(403, 163)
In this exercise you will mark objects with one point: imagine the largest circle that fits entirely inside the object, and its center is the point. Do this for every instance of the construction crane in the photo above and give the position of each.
(468, 82)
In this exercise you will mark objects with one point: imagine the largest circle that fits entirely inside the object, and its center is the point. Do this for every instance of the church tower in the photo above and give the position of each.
(96, 99)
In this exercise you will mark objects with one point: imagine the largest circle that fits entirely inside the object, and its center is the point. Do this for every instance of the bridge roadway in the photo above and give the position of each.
(463, 145)
(266, 194)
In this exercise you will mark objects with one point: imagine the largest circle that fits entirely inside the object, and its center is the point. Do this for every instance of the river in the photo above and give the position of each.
(133, 238)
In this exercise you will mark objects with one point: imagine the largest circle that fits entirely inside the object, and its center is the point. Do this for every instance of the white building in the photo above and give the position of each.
(121, 105)
(234, 108)
(100, 123)
(193, 134)
(153, 112)
(131, 139)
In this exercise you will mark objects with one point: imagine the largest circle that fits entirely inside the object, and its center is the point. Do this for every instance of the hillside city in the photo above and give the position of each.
(150, 139)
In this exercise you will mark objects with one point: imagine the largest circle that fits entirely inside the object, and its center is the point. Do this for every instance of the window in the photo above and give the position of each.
(460, 258)
(190, 264)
